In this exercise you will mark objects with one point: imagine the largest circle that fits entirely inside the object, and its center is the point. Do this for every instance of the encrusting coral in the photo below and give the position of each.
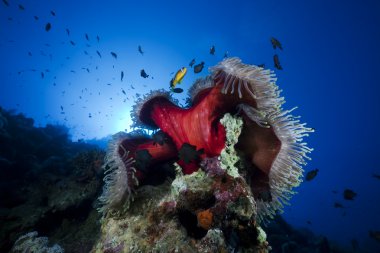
(234, 171)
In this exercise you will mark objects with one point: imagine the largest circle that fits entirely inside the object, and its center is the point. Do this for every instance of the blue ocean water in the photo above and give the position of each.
(330, 58)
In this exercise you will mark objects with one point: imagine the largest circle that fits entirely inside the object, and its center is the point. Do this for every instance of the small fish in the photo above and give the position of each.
(87, 38)
(114, 55)
(36, 18)
(338, 205)
(199, 67)
(192, 63)
(48, 27)
(308, 222)
(374, 235)
(311, 174)
(89, 115)
(225, 54)
(42, 75)
(61, 108)
(159, 138)
(377, 176)
(52, 13)
(188, 153)
(97, 38)
(277, 62)
(85, 52)
(72, 42)
(121, 76)
(275, 43)
(177, 90)
(122, 90)
(178, 77)
(261, 65)
(143, 74)
(140, 50)
(99, 53)
(212, 50)
(21, 7)
(29, 53)
(68, 32)
(349, 194)
(6, 2)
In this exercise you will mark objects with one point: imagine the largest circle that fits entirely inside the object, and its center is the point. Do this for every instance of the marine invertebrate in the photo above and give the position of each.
(31, 243)
(269, 139)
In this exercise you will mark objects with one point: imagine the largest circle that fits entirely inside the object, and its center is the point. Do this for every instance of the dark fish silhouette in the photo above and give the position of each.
(29, 53)
(97, 38)
(188, 153)
(85, 52)
(160, 138)
(374, 235)
(277, 62)
(143, 73)
(6, 2)
(21, 7)
(68, 32)
(48, 27)
(212, 50)
(311, 174)
(87, 38)
(225, 54)
(52, 13)
(61, 108)
(338, 205)
(72, 42)
(199, 67)
(261, 65)
(122, 90)
(35, 17)
(275, 43)
(349, 194)
(192, 63)
(42, 75)
(177, 90)
(121, 75)
(114, 55)
(99, 53)
(140, 50)
(377, 176)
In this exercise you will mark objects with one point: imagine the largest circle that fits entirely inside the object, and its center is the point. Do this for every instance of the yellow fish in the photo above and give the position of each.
(178, 77)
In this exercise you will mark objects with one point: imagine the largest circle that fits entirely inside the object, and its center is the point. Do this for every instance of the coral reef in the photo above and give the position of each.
(48, 184)
(232, 172)
(31, 243)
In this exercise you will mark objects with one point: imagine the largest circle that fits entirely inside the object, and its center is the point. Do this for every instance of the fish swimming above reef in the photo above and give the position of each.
(225, 54)
(212, 50)
(140, 50)
(349, 194)
(192, 63)
(68, 32)
(52, 13)
(311, 174)
(177, 90)
(6, 2)
(21, 7)
(178, 77)
(47, 27)
(98, 53)
(143, 73)
(276, 61)
(199, 67)
(275, 43)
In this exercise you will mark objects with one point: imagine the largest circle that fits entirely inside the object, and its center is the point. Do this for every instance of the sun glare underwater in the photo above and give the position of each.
(166, 126)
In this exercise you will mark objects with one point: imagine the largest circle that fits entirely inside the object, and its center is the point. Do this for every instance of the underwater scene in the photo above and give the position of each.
(189, 126)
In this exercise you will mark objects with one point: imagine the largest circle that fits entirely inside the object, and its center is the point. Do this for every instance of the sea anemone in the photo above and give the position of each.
(268, 143)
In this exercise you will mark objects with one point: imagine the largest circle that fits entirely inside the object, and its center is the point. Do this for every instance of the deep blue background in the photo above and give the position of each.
(330, 59)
